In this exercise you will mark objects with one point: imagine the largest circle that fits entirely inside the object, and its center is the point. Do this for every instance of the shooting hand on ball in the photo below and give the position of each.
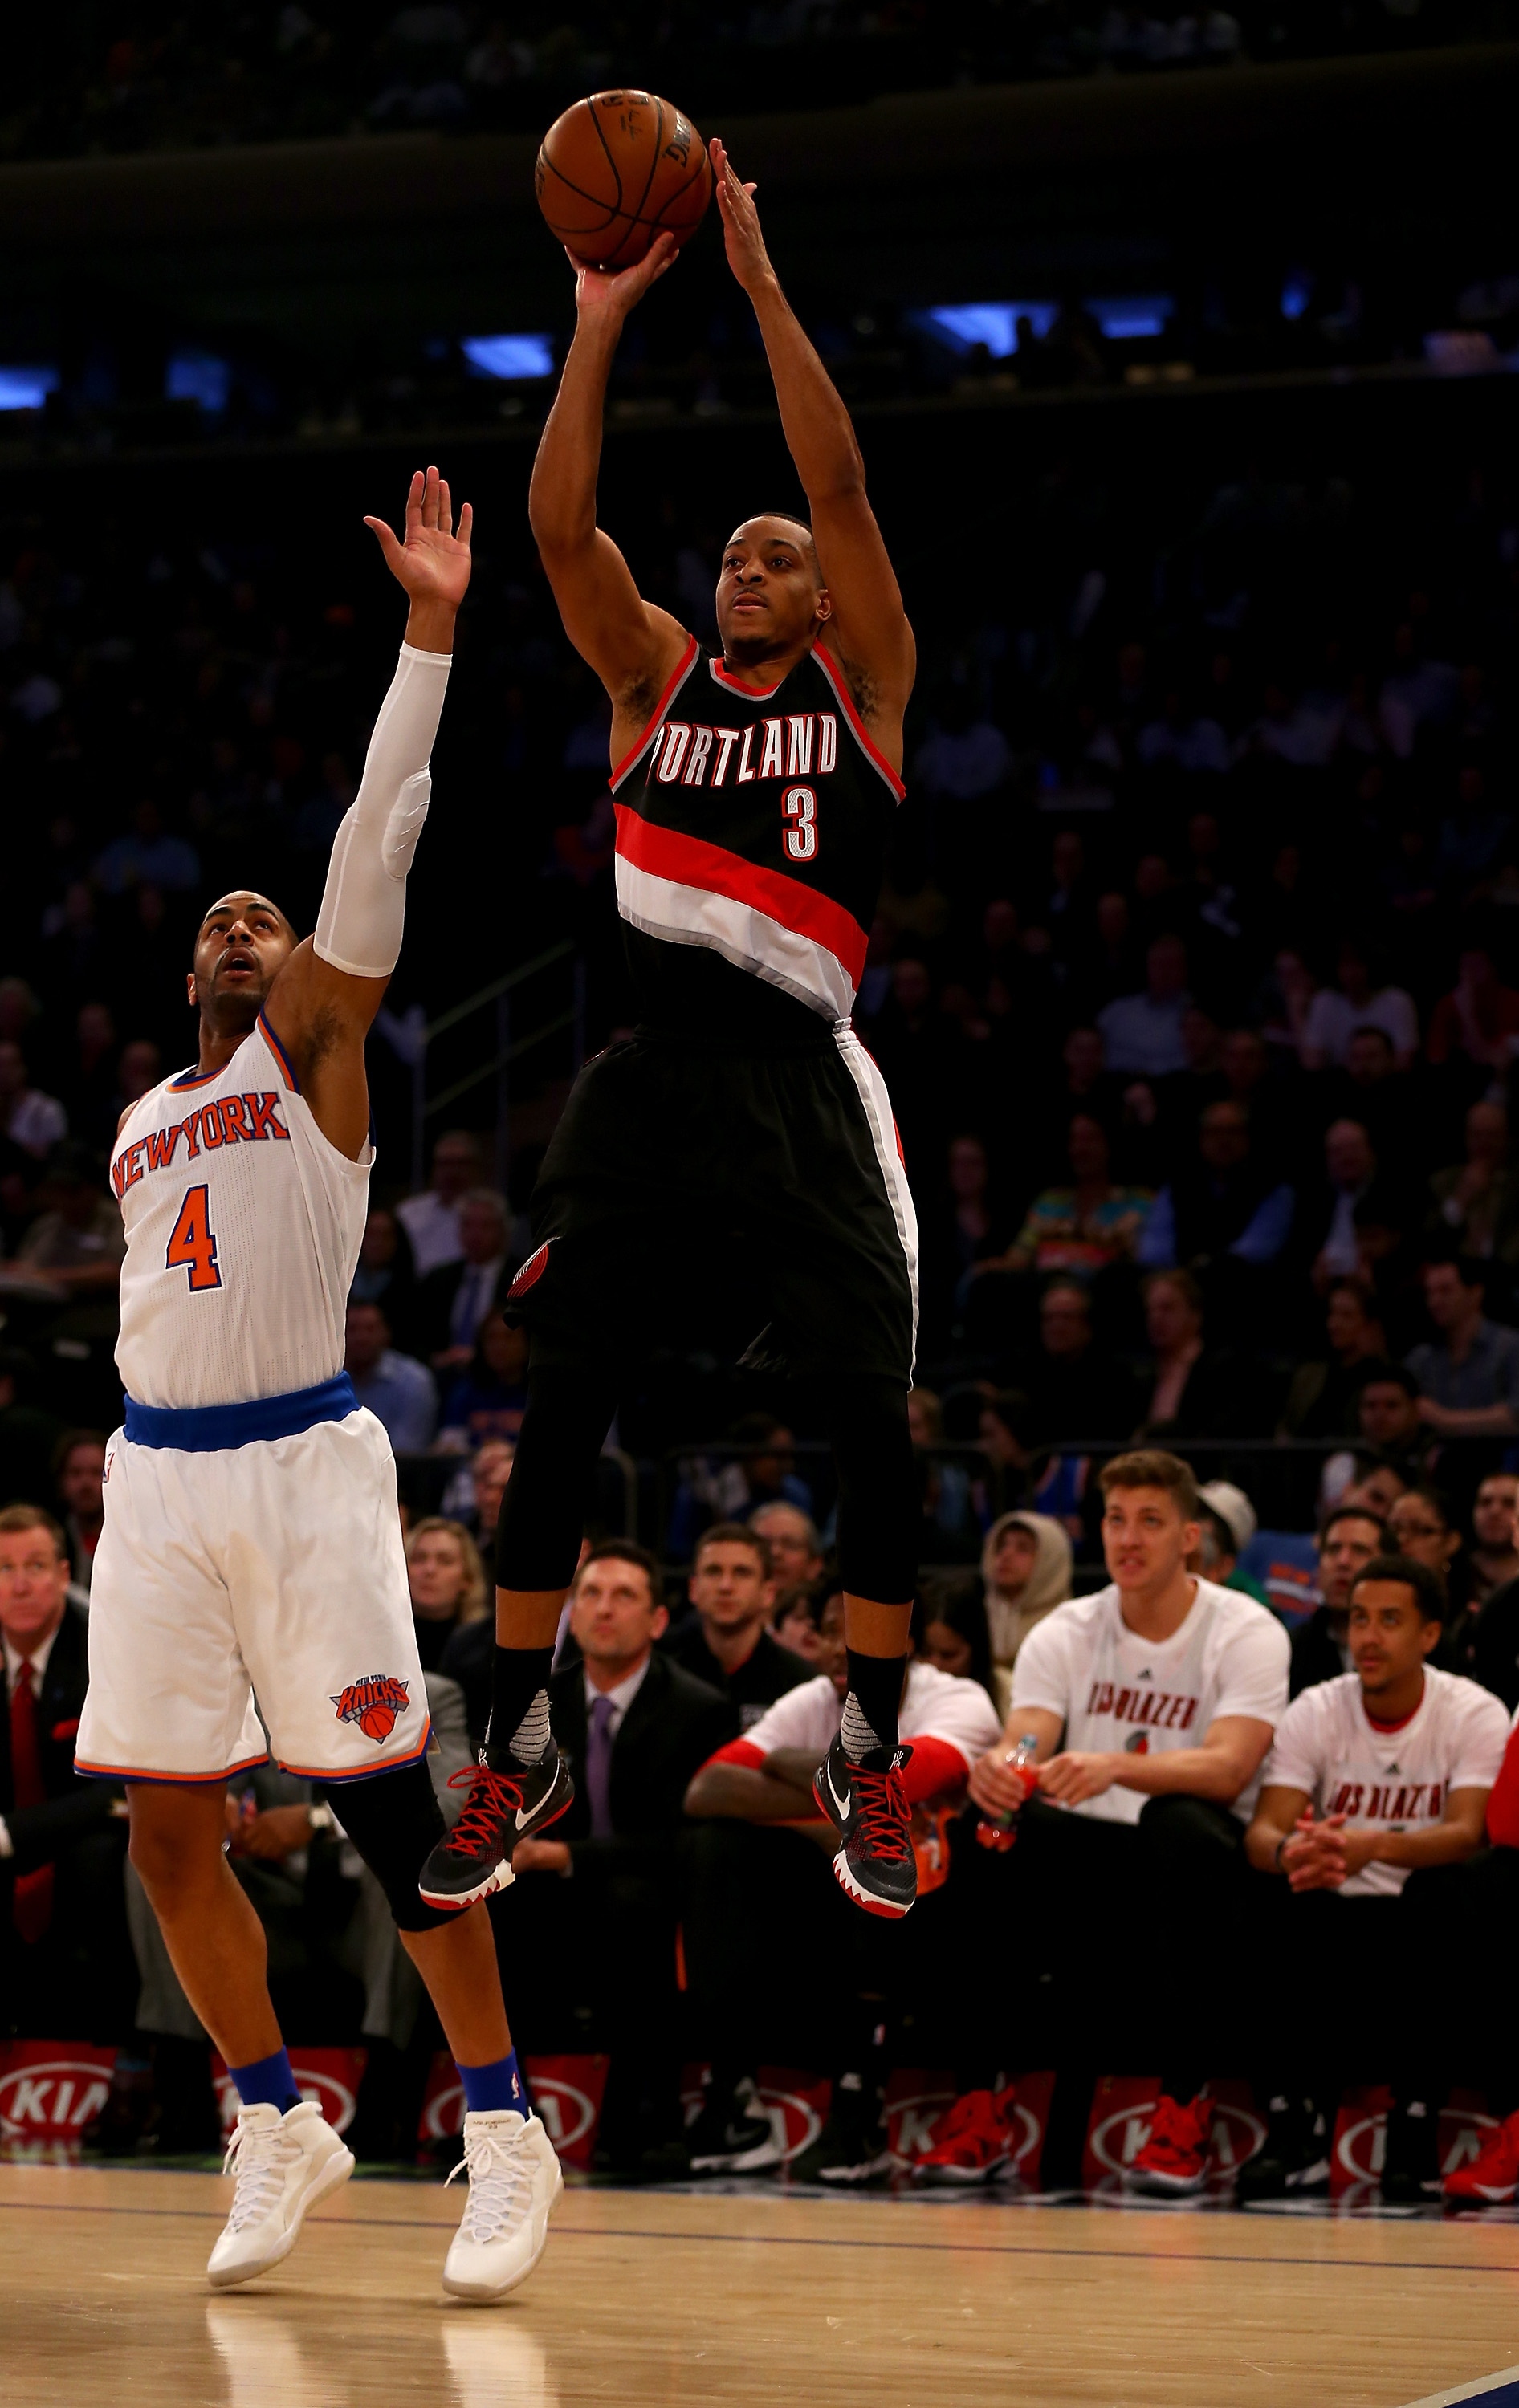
(742, 239)
(608, 294)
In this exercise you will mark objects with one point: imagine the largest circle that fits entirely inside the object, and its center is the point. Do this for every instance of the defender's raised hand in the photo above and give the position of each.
(431, 560)
(742, 239)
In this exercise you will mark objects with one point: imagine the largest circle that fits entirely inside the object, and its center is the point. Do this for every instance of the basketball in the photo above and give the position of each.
(617, 169)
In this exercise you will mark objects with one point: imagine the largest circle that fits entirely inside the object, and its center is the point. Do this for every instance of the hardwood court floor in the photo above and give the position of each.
(697, 2303)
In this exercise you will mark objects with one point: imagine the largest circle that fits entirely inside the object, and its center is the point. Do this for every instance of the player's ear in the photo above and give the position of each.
(191, 996)
(823, 606)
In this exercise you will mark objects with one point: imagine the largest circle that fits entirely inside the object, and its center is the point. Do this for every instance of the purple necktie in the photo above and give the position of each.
(598, 1767)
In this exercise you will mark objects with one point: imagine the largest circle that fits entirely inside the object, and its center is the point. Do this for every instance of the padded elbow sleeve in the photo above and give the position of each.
(363, 913)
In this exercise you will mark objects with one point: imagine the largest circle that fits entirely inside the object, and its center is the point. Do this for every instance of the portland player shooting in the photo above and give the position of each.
(252, 1540)
(755, 794)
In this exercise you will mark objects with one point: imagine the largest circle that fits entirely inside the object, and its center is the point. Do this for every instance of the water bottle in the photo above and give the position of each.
(1000, 1831)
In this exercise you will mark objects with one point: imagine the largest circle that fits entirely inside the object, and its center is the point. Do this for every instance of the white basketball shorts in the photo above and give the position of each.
(269, 1571)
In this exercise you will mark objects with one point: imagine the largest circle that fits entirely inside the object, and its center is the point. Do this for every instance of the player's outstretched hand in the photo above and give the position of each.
(742, 239)
(431, 560)
(600, 293)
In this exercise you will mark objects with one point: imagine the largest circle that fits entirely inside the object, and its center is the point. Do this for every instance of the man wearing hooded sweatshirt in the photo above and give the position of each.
(1025, 1571)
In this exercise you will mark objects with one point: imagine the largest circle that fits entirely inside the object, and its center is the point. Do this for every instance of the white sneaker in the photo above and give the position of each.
(514, 2180)
(283, 2164)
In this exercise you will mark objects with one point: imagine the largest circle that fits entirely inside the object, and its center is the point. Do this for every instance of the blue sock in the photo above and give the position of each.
(267, 2083)
(489, 2087)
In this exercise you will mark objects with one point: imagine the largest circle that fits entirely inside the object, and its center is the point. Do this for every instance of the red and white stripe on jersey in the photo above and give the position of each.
(693, 893)
(877, 1105)
(678, 675)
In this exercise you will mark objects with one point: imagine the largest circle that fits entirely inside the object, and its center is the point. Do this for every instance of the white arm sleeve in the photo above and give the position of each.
(363, 903)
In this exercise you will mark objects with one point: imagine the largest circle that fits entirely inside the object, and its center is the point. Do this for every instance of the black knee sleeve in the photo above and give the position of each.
(543, 1510)
(394, 1821)
(878, 1489)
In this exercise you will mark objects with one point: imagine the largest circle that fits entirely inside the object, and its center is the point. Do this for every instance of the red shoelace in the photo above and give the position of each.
(884, 1819)
(491, 1796)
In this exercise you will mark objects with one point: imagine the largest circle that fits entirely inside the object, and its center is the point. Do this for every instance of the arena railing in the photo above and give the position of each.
(411, 1034)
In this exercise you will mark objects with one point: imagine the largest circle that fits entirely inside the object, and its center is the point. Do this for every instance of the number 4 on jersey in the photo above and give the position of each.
(193, 1247)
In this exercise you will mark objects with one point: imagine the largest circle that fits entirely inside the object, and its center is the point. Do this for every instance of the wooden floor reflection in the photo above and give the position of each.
(701, 2301)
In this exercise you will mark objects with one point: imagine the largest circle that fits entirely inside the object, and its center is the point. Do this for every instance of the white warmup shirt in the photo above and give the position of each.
(1115, 1691)
(1327, 1745)
(936, 1706)
(242, 1226)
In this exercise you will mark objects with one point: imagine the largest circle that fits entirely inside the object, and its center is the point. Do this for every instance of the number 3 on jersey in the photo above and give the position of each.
(800, 806)
(193, 1247)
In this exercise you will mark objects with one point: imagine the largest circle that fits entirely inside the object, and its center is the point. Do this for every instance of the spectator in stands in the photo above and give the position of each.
(489, 1473)
(29, 1434)
(385, 1275)
(431, 1218)
(454, 1300)
(1228, 1205)
(792, 1536)
(1493, 1555)
(1141, 1034)
(1078, 1390)
(761, 1830)
(150, 856)
(448, 1584)
(399, 1391)
(1200, 1674)
(66, 1960)
(967, 1229)
(725, 1640)
(75, 1243)
(1388, 1417)
(1469, 1376)
(1419, 1525)
(35, 1121)
(1348, 1540)
(637, 1726)
(78, 1468)
(761, 1470)
(1479, 1018)
(1476, 1202)
(489, 1399)
(1377, 1774)
(1324, 1400)
(1227, 1524)
(1350, 1167)
(794, 1622)
(1025, 1573)
(955, 1638)
(1193, 1390)
(1357, 1001)
(1081, 1228)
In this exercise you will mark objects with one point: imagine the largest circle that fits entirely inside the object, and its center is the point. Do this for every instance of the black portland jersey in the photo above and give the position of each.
(752, 832)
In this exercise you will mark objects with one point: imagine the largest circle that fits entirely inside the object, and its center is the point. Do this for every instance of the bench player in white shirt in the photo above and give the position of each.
(1152, 1705)
(1379, 1774)
(252, 1540)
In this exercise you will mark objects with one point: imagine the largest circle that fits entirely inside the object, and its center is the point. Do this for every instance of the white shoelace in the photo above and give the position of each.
(500, 2181)
(261, 2160)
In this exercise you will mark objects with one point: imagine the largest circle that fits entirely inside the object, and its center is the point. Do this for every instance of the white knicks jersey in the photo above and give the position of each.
(243, 1227)
(1327, 1746)
(1118, 1693)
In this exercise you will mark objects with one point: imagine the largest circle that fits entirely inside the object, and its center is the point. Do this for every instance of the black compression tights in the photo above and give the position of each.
(569, 1409)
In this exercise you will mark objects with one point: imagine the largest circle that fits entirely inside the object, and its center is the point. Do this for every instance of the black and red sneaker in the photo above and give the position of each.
(502, 1808)
(867, 1803)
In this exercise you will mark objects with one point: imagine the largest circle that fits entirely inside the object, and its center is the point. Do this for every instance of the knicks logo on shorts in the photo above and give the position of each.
(531, 1272)
(376, 1703)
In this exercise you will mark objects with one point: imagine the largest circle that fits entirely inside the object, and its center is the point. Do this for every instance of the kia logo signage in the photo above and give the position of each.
(52, 2099)
(1117, 2142)
(335, 2099)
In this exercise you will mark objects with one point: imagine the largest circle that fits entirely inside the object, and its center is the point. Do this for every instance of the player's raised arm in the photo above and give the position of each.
(631, 644)
(869, 629)
(327, 994)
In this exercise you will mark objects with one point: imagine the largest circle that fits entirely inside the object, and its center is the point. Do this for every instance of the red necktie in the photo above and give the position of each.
(31, 1903)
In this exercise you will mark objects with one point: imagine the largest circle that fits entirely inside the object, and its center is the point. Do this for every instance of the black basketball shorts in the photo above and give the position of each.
(672, 1164)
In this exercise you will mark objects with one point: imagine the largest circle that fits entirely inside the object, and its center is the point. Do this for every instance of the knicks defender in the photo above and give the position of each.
(755, 792)
(252, 1545)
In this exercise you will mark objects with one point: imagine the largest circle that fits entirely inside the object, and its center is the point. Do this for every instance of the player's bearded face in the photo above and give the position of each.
(769, 598)
(242, 945)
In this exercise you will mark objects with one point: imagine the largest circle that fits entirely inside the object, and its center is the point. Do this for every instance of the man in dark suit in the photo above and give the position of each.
(587, 1932)
(452, 1301)
(66, 1969)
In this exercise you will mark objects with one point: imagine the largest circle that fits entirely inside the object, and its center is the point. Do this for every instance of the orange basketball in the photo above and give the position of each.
(617, 169)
